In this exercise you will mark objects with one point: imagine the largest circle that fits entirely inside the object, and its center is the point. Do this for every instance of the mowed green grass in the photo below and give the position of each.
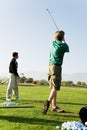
(71, 99)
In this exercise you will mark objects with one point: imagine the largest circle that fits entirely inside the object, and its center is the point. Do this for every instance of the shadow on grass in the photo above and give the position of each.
(40, 101)
(24, 101)
(2, 98)
(33, 120)
(71, 103)
(66, 114)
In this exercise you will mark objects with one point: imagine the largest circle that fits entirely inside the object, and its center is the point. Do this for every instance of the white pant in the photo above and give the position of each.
(12, 85)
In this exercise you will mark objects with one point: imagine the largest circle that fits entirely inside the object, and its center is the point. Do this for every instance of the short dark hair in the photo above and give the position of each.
(14, 54)
(60, 35)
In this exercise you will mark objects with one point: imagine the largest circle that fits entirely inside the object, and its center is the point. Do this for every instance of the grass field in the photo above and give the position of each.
(70, 99)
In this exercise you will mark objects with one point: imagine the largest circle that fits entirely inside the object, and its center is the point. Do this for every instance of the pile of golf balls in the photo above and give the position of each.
(8, 104)
(73, 126)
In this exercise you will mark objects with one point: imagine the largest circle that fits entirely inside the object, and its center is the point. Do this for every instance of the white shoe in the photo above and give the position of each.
(8, 99)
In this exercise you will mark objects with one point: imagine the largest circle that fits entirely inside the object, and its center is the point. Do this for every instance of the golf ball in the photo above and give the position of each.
(57, 127)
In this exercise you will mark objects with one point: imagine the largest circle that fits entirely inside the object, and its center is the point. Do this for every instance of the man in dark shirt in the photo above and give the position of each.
(13, 80)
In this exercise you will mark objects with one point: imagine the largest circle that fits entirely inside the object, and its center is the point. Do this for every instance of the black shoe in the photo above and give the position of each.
(46, 106)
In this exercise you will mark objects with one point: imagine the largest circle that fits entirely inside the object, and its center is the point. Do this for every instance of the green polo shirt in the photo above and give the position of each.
(57, 51)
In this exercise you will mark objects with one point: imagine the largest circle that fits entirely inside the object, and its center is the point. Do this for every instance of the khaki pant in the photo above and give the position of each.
(54, 76)
(12, 86)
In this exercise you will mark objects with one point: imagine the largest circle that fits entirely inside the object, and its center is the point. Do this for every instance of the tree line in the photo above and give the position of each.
(45, 82)
(25, 80)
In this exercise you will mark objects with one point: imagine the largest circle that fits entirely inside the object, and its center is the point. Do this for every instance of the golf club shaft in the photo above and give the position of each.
(52, 19)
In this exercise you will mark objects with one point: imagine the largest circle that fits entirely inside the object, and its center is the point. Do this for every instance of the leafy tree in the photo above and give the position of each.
(29, 80)
(79, 83)
(22, 79)
(67, 83)
(43, 82)
(83, 84)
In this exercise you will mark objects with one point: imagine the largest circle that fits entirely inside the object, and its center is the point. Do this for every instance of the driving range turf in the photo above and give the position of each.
(71, 99)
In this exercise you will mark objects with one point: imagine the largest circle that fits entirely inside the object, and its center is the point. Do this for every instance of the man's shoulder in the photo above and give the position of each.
(12, 60)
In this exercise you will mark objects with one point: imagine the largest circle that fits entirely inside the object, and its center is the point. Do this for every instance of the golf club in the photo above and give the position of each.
(4, 81)
(20, 106)
(52, 18)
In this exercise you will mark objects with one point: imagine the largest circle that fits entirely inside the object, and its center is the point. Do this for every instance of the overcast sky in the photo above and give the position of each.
(26, 27)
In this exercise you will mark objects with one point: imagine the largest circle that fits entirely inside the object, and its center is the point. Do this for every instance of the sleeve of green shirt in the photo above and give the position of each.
(66, 47)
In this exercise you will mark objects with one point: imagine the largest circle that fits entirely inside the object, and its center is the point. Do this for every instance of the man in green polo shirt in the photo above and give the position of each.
(57, 51)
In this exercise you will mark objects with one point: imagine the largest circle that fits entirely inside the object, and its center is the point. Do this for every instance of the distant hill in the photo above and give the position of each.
(36, 75)
(75, 77)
